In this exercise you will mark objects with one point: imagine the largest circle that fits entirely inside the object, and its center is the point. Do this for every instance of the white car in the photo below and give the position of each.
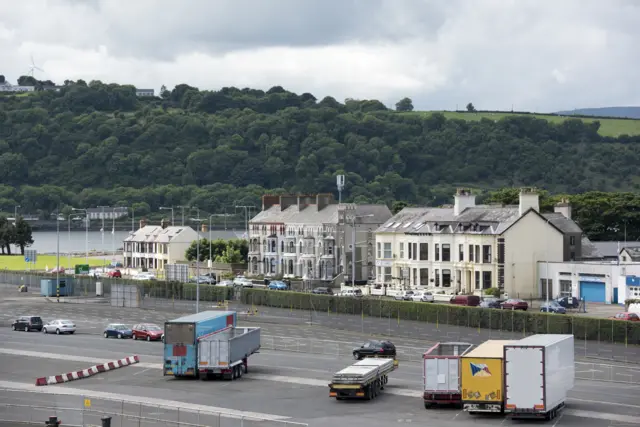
(59, 326)
(225, 283)
(354, 293)
(144, 277)
(422, 297)
(404, 295)
(243, 281)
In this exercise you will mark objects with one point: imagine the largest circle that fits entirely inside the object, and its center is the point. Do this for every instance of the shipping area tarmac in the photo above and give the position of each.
(280, 385)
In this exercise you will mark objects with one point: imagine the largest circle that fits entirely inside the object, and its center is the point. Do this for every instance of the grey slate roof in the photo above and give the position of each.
(609, 249)
(634, 253)
(589, 249)
(327, 215)
(563, 223)
(490, 219)
(156, 234)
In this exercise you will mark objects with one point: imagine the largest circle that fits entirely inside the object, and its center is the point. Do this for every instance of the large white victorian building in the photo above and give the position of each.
(311, 236)
(468, 247)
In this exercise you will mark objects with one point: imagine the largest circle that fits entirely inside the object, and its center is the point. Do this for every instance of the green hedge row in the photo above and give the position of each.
(528, 322)
(184, 291)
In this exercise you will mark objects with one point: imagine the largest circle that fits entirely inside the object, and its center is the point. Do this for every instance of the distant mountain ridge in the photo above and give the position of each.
(622, 112)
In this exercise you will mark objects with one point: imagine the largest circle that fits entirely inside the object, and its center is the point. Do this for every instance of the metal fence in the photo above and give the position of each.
(340, 349)
(19, 406)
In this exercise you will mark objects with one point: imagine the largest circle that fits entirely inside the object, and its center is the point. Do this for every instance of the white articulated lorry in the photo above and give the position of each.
(442, 381)
(362, 380)
(224, 353)
(539, 372)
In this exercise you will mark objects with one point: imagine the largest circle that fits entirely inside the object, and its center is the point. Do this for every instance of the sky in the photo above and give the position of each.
(527, 55)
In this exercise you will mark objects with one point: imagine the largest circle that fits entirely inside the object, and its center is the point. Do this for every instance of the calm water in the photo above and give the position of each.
(46, 241)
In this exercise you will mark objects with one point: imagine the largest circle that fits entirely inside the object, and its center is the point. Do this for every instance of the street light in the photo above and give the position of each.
(58, 254)
(104, 256)
(198, 220)
(162, 208)
(353, 246)
(86, 235)
(15, 213)
(210, 247)
(183, 208)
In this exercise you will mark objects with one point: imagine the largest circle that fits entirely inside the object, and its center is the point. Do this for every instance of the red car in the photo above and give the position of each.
(115, 273)
(515, 304)
(147, 331)
(631, 317)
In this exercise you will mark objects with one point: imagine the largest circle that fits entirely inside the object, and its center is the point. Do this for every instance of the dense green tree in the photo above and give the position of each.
(23, 236)
(227, 251)
(405, 104)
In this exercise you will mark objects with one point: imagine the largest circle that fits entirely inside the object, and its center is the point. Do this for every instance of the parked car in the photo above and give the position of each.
(515, 304)
(631, 317)
(277, 285)
(553, 307)
(115, 274)
(27, 323)
(403, 296)
(357, 293)
(490, 303)
(117, 330)
(59, 326)
(374, 348)
(322, 291)
(245, 283)
(203, 280)
(225, 283)
(422, 296)
(466, 300)
(568, 302)
(144, 277)
(147, 331)
(57, 270)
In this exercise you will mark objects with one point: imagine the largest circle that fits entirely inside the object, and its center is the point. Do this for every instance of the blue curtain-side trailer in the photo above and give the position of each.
(181, 340)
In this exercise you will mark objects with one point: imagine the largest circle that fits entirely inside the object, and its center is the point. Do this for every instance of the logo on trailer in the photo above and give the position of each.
(480, 370)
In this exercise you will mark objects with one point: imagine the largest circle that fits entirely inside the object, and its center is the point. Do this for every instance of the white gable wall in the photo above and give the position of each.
(528, 241)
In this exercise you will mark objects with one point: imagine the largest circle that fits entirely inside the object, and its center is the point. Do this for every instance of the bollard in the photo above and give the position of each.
(106, 421)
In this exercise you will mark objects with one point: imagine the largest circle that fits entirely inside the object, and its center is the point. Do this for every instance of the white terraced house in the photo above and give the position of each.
(468, 248)
(310, 236)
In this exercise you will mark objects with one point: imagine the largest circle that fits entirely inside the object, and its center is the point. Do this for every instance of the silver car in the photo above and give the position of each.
(59, 326)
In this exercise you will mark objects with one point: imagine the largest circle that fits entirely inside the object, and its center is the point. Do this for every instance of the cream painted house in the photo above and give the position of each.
(468, 247)
(154, 246)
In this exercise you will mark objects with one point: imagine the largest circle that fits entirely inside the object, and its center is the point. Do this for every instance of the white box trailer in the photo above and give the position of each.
(362, 380)
(224, 353)
(539, 372)
(441, 375)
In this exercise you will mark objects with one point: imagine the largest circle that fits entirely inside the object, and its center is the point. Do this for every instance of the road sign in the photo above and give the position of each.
(87, 403)
(27, 259)
(32, 254)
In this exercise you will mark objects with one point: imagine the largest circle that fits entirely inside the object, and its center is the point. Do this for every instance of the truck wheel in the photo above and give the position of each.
(427, 405)
(239, 371)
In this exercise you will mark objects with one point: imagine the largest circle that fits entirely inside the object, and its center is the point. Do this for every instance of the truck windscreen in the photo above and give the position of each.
(179, 333)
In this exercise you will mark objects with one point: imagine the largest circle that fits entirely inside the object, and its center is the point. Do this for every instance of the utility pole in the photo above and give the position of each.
(246, 218)
(58, 254)
(104, 257)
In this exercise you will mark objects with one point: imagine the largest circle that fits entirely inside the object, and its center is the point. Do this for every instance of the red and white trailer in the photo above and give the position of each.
(442, 373)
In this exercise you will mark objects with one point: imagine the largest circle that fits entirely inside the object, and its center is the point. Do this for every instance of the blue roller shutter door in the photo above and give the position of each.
(593, 291)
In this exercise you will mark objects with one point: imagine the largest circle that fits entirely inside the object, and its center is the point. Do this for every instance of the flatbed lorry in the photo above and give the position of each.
(362, 380)
(539, 372)
(223, 354)
(441, 374)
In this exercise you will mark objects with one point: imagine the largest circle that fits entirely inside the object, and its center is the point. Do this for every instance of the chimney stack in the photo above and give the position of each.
(288, 200)
(143, 222)
(529, 199)
(269, 200)
(305, 200)
(323, 200)
(204, 228)
(564, 208)
(164, 224)
(463, 200)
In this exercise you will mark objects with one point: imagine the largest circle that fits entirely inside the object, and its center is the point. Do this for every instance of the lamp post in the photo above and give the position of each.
(198, 220)
(104, 256)
(58, 254)
(69, 234)
(353, 246)
(210, 247)
(15, 213)
(133, 220)
(183, 208)
(162, 208)
(86, 234)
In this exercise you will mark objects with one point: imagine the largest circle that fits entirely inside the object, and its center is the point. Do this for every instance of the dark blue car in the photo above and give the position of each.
(118, 330)
(552, 307)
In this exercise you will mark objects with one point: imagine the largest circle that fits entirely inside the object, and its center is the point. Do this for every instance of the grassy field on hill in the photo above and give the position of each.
(608, 127)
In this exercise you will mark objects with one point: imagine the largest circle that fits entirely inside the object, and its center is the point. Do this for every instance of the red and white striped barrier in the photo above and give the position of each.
(85, 373)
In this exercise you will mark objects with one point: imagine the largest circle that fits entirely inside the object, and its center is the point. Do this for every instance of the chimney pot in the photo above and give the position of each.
(143, 222)
(203, 227)
(529, 199)
(463, 199)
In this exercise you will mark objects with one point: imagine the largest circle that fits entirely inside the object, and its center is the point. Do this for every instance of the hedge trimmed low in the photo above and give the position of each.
(581, 327)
